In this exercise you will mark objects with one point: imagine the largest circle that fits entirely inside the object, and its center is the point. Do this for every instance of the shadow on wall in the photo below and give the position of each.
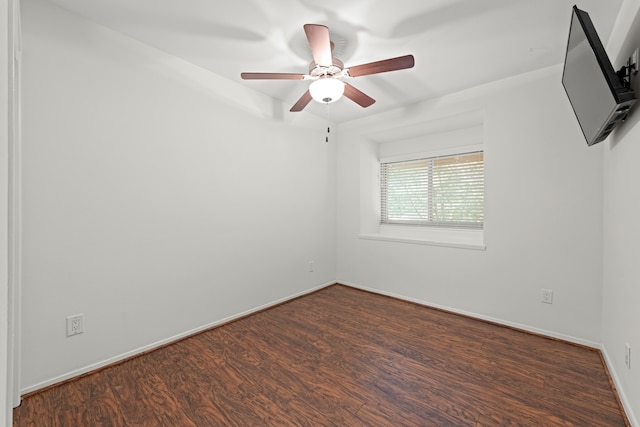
(631, 43)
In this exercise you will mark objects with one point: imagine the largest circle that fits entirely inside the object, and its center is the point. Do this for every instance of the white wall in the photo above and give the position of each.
(158, 198)
(621, 286)
(543, 213)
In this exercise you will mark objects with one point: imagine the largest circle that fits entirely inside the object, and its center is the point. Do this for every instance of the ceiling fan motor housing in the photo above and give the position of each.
(334, 69)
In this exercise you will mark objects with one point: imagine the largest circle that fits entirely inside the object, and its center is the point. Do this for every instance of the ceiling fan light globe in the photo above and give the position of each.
(326, 90)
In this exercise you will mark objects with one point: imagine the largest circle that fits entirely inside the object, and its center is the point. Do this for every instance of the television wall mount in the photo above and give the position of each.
(625, 73)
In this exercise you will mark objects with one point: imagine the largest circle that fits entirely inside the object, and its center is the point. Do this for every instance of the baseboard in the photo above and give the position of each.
(158, 344)
(626, 404)
(527, 328)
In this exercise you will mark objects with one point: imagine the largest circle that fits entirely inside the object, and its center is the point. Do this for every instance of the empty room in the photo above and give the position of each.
(320, 213)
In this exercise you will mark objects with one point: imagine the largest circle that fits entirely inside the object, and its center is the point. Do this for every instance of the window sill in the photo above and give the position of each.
(461, 239)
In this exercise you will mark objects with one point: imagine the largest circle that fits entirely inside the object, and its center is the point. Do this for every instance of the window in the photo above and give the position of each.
(445, 191)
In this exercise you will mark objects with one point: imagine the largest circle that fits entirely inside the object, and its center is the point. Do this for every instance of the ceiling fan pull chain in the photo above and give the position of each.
(328, 125)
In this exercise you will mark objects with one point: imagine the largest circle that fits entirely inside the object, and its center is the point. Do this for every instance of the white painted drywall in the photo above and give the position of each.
(543, 212)
(621, 284)
(158, 197)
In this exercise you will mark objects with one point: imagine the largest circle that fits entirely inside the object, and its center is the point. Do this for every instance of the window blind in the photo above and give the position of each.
(443, 191)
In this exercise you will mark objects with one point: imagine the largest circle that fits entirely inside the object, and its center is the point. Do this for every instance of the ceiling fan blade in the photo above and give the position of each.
(357, 96)
(320, 44)
(399, 63)
(302, 102)
(272, 76)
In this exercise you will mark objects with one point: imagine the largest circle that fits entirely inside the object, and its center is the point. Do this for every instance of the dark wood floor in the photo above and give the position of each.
(342, 357)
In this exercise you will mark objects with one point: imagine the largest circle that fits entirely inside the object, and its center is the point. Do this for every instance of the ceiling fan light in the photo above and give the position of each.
(326, 90)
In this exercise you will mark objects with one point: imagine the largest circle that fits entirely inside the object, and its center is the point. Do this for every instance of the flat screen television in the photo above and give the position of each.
(600, 97)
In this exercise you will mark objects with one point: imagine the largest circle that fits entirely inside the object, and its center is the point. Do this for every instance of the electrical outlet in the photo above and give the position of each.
(627, 356)
(310, 266)
(75, 325)
(547, 296)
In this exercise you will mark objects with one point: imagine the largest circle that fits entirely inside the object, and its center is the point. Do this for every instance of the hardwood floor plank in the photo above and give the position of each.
(290, 387)
(341, 356)
(34, 411)
(96, 401)
(197, 380)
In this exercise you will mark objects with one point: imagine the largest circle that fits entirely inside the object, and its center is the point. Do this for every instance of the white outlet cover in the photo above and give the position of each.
(627, 355)
(75, 325)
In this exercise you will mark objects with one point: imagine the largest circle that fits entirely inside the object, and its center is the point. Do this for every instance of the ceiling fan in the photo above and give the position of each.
(327, 72)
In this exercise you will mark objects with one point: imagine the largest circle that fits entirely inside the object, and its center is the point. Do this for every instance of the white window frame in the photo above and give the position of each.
(459, 151)
(471, 239)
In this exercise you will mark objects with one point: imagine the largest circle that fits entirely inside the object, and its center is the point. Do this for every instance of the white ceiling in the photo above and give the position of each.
(457, 44)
